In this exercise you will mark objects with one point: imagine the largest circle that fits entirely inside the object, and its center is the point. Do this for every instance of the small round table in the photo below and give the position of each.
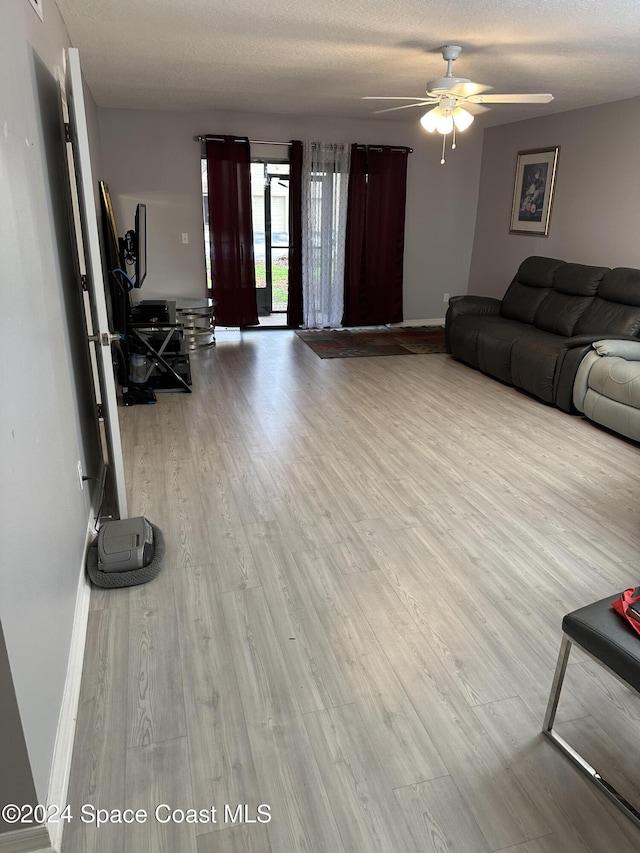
(198, 321)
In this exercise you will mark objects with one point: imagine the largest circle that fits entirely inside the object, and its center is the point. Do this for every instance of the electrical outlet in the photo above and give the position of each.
(185, 238)
(446, 298)
(80, 476)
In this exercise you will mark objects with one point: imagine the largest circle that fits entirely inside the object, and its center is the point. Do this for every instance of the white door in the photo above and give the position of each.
(90, 263)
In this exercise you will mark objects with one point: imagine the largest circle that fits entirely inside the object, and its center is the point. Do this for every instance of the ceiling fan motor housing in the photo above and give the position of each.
(450, 52)
(441, 85)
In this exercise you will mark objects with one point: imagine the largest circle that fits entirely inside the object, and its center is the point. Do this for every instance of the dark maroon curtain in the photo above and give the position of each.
(231, 235)
(375, 235)
(294, 302)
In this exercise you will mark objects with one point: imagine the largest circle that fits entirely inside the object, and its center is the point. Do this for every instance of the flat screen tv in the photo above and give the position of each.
(134, 247)
(141, 244)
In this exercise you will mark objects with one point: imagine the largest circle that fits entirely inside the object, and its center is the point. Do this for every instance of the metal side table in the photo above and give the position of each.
(197, 318)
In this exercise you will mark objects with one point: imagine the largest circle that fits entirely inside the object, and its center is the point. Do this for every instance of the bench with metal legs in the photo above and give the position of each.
(606, 638)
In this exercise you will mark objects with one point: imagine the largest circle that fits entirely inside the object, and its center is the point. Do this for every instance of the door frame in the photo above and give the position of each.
(85, 221)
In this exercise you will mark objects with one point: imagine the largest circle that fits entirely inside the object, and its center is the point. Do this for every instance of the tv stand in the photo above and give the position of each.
(154, 333)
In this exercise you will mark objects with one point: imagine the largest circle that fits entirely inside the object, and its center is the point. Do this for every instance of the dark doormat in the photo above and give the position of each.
(353, 343)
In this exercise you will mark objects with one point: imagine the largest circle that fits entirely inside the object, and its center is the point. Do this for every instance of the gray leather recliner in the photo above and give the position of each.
(607, 386)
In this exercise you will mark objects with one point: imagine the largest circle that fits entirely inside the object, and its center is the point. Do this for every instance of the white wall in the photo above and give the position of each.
(151, 157)
(595, 211)
(46, 421)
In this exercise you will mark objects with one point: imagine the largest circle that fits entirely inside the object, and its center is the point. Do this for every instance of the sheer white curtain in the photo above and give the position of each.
(325, 186)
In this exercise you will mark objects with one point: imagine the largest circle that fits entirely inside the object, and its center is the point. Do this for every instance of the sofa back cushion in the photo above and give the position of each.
(532, 284)
(574, 289)
(616, 309)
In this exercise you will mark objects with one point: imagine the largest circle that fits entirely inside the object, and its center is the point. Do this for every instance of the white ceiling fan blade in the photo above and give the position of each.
(474, 109)
(399, 98)
(466, 90)
(404, 107)
(511, 99)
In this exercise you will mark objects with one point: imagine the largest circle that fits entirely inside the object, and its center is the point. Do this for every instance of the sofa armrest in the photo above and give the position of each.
(629, 350)
(468, 304)
(576, 349)
(587, 340)
(581, 380)
(568, 365)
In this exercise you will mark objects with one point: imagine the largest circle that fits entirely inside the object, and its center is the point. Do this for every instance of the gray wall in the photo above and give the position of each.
(595, 211)
(46, 421)
(151, 157)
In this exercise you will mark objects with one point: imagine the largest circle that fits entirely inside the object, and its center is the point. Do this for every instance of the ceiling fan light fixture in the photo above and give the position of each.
(438, 119)
(462, 119)
(429, 120)
(447, 93)
(444, 122)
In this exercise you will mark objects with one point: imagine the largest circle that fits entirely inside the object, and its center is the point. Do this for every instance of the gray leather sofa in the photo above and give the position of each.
(607, 386)
(536, 336)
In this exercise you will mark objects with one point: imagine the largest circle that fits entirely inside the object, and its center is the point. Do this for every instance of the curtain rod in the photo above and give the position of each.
(208, 138)
(393, 148)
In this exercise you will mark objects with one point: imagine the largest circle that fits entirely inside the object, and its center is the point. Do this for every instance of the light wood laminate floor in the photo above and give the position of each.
(368, 564)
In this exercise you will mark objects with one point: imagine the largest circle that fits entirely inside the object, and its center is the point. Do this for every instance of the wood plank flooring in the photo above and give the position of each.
(357, 624)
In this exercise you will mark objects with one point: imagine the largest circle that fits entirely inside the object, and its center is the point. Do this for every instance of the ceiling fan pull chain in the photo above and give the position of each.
(453, 141)
(444, 142)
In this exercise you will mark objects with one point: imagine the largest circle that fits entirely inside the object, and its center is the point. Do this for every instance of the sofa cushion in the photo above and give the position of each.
(559, 313)
(616, 309)
(579, 279)
(521, 301)
(531, 285)
(537, 271)
(608, 318)
(494, 348)
(617, 379)
(574, 288)
(534, 362)
(621, 285)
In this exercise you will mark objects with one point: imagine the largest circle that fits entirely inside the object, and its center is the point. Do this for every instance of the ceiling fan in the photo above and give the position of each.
(450, 93)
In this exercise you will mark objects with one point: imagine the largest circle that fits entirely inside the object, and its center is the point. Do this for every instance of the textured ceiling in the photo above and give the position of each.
(319, 58)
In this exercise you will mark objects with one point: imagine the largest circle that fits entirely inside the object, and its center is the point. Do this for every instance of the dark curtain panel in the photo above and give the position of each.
(375, 236)
(294, 303)
(354, 259)
(231, 234)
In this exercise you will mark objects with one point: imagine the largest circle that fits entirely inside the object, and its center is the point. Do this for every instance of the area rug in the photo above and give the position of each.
(352, 343)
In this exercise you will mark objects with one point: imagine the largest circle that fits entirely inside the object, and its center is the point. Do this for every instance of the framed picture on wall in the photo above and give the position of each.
(111, 227)
(533, 191)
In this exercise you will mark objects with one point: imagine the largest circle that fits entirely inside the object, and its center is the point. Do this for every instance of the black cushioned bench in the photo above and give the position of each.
(606, 637)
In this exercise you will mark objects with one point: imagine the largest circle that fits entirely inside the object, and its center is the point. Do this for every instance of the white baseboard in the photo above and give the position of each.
(35, 839)
(63, 749)
(434, 321)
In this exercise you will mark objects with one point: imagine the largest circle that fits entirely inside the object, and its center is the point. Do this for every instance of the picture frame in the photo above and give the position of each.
(533, 191)
(36, 5)
(110, 222)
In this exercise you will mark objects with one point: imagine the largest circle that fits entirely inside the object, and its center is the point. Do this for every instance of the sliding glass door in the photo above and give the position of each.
(270, 211)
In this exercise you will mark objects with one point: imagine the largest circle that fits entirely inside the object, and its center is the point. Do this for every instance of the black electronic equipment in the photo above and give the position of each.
(153, 311)
(133, 247)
